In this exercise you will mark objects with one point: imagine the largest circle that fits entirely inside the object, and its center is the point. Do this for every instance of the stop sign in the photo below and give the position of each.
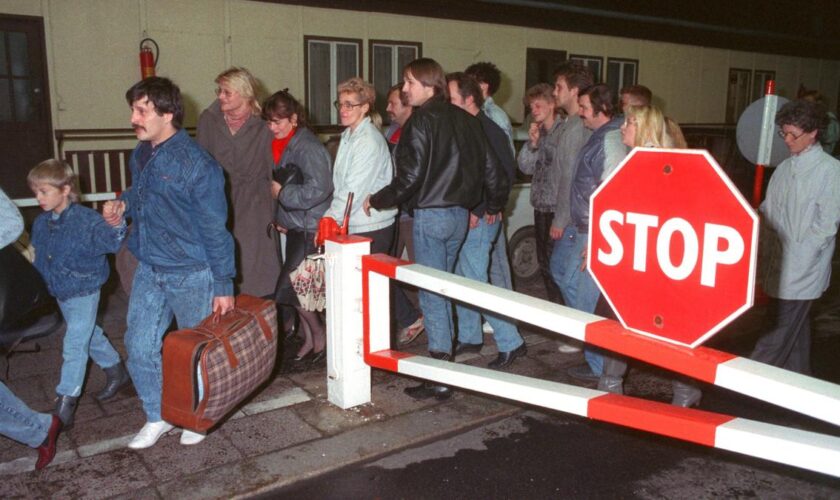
(672, 245)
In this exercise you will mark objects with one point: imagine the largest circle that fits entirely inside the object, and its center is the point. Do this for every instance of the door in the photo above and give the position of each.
(24, 102)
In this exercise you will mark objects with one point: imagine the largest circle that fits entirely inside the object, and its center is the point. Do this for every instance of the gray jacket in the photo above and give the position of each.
(552, 165)
(301, 206)
(800, 216)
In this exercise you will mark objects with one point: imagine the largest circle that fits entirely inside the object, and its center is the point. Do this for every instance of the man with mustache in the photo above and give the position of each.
(178, 207)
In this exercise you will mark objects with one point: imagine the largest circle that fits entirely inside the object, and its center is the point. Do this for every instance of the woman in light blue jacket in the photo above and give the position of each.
(362, 165)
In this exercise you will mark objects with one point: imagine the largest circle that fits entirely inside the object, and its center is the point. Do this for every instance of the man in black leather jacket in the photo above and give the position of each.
(443, 169)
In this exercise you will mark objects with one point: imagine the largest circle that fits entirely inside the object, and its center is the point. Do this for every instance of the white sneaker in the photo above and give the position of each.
(568, 348)
(149, 434)
(189, 437)
(486, 328)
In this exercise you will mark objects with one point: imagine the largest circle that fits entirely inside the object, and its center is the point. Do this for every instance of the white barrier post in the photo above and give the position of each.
(348, 376)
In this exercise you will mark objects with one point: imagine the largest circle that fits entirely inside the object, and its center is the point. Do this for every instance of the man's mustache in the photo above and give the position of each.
(138, 127)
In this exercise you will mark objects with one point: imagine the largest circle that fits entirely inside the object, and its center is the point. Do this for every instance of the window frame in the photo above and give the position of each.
(620, 84)
(394, 44)
(758, 92)
(599, 77)
(333, 41)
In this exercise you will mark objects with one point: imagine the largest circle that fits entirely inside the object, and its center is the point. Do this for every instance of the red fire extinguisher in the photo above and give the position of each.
(148, 59)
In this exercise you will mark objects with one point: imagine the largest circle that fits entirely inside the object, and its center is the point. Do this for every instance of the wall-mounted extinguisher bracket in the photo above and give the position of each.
(148, 59)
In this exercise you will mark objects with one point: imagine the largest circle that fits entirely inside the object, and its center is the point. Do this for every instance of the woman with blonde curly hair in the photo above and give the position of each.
(362, 164)
(232, 130)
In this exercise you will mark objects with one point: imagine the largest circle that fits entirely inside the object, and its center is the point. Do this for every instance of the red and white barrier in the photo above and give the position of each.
(795, 447)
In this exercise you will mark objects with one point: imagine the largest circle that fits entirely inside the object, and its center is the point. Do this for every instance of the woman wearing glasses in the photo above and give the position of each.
(362, 164)
(304, 192)
(232, 131)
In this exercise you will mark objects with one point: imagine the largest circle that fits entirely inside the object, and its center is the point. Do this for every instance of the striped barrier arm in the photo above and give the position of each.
(794, 447)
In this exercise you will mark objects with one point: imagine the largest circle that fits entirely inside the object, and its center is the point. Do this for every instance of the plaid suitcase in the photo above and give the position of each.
(236, 355)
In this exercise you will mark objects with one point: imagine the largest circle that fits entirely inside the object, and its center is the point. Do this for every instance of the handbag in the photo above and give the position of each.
(233, 355)
(288, 174)
(309, 283)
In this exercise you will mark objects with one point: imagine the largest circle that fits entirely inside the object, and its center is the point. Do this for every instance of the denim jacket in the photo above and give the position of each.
(588, 173)
(70, 250)
(178, 206)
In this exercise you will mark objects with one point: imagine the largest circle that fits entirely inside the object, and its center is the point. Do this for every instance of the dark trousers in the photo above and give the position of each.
(545, 246)
(404, 312)
(787, 344)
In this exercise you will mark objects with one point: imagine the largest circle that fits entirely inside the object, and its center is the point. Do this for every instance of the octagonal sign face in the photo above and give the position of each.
(672, 245)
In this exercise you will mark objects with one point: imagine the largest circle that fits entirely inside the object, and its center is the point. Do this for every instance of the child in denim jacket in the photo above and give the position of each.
(70, 245)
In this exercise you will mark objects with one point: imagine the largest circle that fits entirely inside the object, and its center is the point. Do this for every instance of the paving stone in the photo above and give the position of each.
(108, 428)
(277, 387)
(100, 476)
(313, 381)
(27, 364)
(12, 450)
(390, 399)
(330, 419)
(268, 431)
(169, 459)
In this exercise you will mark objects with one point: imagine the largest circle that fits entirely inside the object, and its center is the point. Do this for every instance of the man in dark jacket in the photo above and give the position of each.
(474, 257)
(443, 165)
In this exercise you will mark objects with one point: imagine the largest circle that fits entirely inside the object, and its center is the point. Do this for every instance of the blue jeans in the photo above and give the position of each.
(473, 262)
(499, 263)
(438, 235)
(19, 422)
(156, 297)
(577, 286)
(83, 339)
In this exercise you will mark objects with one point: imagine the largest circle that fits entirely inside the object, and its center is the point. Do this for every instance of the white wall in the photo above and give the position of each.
(92, 53)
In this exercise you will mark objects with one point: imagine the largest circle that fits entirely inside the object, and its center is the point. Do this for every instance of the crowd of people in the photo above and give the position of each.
(434, 184)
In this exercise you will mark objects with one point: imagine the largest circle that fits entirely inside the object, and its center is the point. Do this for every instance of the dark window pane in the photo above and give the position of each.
(5, 101)
(629, 74)
(18, 51)
(3, 61)
(347, 64)
(613, 76)
(404, 56)
(24, 111)
(382, 76)
(320, 94)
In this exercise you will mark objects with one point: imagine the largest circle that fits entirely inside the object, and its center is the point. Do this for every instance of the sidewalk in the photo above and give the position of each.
(285, 433)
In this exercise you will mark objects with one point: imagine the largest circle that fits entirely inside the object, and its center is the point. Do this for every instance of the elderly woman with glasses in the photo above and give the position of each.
(232, 131)
(362, 164)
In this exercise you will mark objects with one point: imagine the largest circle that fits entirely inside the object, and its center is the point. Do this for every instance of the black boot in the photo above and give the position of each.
(65, 409)
(428, 390)
(117, 378)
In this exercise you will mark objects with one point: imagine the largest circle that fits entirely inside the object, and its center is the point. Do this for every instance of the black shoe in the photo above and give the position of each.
(463, 348)
(428, 390)
(583, 372)
(506, 358)
(65, 409)
(117, 378)
(318, 357)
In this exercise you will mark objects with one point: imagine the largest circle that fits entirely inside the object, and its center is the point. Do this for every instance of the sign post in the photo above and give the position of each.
(672, 245)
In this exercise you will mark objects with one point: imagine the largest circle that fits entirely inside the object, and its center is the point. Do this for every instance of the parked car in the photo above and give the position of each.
(522, 243)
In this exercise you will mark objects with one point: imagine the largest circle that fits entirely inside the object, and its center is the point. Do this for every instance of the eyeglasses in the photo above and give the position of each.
(346, 106)
(784, 134)
(225, 92)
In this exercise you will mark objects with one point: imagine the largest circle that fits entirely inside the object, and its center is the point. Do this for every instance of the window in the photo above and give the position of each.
(594, 63)
(621, 73)
(539, 67)
(328, 62)
(737, 93)
(760, 78)
(387, 58)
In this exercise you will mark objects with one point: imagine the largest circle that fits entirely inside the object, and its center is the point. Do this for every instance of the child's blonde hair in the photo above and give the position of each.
(57, 174)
